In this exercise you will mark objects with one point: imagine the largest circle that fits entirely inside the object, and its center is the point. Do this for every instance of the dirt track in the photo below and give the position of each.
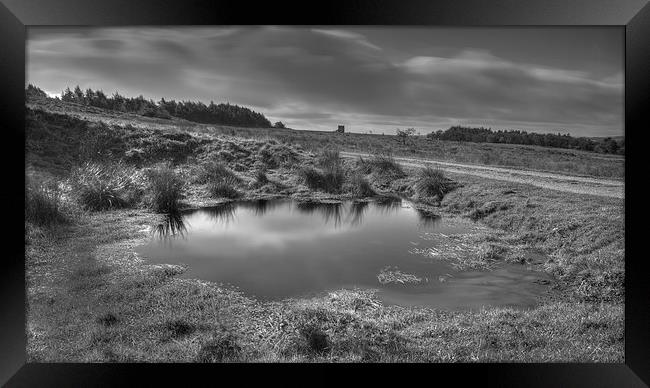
(554, 181)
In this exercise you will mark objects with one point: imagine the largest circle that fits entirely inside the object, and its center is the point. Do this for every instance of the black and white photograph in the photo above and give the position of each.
(325, 194)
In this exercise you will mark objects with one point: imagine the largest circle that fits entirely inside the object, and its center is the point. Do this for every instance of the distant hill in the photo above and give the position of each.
(223, 114)
(605, 145)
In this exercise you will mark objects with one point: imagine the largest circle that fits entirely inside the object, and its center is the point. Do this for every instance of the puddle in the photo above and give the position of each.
(279, 249)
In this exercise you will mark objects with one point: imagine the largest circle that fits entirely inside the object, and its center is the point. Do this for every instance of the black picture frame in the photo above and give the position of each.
(15, 15)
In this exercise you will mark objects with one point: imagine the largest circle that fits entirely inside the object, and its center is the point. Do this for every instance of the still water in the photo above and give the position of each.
(279, 249)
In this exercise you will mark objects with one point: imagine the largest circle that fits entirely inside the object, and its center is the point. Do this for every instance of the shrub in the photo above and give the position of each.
(105, 186)
(44, 204)
(432, 182)
(166, 189)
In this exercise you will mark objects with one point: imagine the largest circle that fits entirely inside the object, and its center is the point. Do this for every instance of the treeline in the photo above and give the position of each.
(487, 135)
(226, 114)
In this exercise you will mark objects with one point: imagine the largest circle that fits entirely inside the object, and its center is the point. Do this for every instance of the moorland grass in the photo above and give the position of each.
(223, 189)
(44, 204)
(165, 189)
(145, 140)
(382, 164)
(432, 182)
(221, 181)
(90, 300)
(360, 187)
(331, 176)
(103, 186)
(583, 235)
(160, 317)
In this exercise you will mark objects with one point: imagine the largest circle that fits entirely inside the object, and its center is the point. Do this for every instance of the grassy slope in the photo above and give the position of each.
(91, 299)
(532, 157)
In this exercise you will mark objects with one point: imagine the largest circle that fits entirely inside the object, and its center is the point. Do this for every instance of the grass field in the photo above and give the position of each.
(514, 155)
(91, 299)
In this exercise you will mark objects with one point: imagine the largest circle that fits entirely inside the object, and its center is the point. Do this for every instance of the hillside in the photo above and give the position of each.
(531, 157)
(227, 114)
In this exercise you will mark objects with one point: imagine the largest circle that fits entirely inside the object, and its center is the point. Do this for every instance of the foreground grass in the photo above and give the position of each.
(583, 235)
(91, 299)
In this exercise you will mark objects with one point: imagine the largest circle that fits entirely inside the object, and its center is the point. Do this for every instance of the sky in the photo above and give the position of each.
(539, 79)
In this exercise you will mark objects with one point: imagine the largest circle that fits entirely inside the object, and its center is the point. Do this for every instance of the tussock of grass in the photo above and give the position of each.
(108, 319)
(317, 340)
(330, 178)
(223, 189)
(381, 164)
(274, 155)
(432, 182)
(223, 346)
(360, 187)
(329, 160)
(44, 205)
(261, 178)
(165, 189)
(328, 181)
(221, 181)
(103, 186)
(179, 328)
(214, 172)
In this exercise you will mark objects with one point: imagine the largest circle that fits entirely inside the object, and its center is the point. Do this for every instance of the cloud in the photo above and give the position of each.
(318, 78)
(352, 36)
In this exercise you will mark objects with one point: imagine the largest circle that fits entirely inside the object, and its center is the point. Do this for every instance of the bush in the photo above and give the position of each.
(44, 204)
(105, 186)
(432, 182)
(166, 189)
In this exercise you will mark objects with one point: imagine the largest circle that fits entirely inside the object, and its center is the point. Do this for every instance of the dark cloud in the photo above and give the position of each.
(318, 78)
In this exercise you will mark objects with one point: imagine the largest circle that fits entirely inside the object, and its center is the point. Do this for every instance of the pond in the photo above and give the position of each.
(277, 249)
